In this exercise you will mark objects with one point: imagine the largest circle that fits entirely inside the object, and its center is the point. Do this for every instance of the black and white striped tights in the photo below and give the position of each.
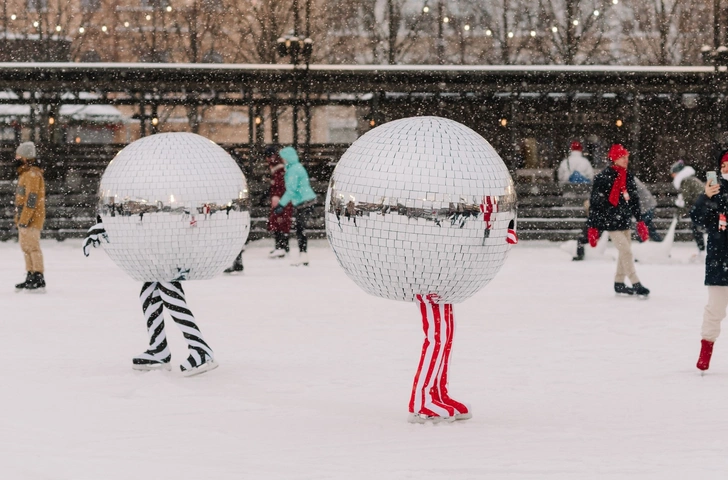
(156, 296)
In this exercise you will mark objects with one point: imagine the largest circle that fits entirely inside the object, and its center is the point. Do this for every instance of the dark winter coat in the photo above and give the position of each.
(603, 215)
(279, 222)
(691, 188)
(705, 212)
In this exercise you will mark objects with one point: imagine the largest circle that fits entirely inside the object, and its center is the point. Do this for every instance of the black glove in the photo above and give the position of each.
(94, 236)
(278, 210)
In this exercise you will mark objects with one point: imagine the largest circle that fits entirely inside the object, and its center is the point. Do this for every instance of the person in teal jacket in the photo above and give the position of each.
(301, 195)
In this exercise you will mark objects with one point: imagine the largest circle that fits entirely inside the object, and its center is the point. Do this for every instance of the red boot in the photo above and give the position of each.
(706, 350)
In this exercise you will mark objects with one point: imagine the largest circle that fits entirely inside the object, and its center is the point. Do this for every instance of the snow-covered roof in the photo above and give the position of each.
(86, 113)
(33, 36)
(363, 68)
(92, 113)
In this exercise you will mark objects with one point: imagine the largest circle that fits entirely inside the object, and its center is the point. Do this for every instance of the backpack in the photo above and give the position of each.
(577, 177)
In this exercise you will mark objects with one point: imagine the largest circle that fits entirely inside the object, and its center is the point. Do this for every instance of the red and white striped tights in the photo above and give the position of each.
(430, 399)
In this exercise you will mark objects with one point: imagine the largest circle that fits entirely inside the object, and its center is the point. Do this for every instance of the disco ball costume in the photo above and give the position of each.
(172, 207)
(423, 210)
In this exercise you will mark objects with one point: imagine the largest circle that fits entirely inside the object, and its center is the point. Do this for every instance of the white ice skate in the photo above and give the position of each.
(277, 253)
(422, 418)
(199, 361)
(205, 367)
(146, 363)
(302, 260)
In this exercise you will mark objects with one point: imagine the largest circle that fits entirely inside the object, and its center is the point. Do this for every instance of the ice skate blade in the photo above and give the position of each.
(35, 290)
(463, 416)
(205, 367)
(422, 419)
(148, 367)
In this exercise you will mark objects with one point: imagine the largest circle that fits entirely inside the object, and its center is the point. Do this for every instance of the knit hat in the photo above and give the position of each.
(616, 152)
(270, 151)
(724, 158)
(26, 150)
(576, 146)
(677, 166)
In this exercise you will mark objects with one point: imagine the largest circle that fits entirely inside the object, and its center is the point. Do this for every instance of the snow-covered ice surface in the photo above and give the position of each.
(566, 381)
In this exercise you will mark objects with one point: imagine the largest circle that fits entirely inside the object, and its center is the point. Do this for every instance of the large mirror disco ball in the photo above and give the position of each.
(175, 207)
(421, 206)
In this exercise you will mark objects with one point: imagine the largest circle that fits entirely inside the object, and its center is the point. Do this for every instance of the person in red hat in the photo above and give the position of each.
(711, 211)
(613, 203)
(575, 168)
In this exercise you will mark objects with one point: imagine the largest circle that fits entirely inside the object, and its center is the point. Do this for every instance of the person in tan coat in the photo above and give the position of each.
(30, 214)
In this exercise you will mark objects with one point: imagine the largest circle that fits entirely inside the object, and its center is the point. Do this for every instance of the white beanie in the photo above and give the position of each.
(26, 150)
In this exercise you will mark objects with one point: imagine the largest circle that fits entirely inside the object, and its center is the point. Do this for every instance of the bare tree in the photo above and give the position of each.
(577, 31)
(505, 24)
(202, 38)
(666, 32)
(341, 41)
(387, 31)
(201, 32)
(56, 27)
(257, 25)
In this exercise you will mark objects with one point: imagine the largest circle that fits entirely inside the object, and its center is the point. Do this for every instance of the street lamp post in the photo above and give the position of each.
(440, 32)
(295, 47)
(716, 24)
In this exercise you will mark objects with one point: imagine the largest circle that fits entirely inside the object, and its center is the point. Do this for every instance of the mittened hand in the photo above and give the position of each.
(94, 236)
(593, 235)
(278, 210)
(642, 231)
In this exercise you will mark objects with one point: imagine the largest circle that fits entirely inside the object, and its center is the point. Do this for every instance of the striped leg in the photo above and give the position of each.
(425, 401)
(158, 354)
(462, 411)
(201, 358)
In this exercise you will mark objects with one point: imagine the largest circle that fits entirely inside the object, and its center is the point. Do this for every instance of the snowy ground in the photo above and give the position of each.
(566, 381)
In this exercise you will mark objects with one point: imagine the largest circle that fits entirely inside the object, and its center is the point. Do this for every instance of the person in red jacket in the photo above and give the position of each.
(278, 223)
(613, 203)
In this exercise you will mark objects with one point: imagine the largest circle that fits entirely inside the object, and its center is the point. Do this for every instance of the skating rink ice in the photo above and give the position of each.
(565, 380)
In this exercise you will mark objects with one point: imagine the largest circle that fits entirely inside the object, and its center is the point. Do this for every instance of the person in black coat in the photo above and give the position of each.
(710, 211)
(613, 203)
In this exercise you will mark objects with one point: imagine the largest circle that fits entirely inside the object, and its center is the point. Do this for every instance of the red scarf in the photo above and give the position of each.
(620, 185)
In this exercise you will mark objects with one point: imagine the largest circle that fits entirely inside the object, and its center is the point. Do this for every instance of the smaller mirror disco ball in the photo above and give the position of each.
(421, 206)
(175, 207)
